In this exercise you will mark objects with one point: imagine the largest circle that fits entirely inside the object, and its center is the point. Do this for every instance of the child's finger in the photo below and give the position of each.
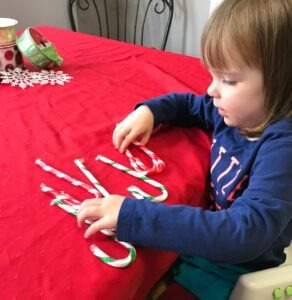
(128, 139)
(95, 227)
(90, 210)
(90, 202)
(120, 135)
(144, 140)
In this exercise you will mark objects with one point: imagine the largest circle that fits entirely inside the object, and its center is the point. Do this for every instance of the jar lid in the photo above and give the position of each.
(7, 22)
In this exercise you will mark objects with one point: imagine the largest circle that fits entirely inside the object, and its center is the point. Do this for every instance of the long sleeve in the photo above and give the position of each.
(257, 221)
(183, 109)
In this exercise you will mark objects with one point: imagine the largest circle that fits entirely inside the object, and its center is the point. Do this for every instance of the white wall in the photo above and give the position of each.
(189, 19)
(214, 4)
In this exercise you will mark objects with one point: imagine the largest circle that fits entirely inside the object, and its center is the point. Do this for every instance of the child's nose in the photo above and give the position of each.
(213, 90)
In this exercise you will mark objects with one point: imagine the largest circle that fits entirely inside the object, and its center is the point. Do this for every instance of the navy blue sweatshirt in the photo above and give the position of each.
(251, 186)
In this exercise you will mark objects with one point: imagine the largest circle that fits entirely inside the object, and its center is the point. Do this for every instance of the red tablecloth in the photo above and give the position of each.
(43, 254)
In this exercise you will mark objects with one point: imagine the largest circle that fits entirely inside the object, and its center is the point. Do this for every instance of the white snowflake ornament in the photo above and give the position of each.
(15, 77)
(25, 78)
(52, 77)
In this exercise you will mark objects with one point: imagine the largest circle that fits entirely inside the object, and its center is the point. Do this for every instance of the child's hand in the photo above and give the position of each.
(104, 210)
(137, 125)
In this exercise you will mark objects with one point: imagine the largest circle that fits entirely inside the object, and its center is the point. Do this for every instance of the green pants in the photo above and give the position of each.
(206, 280)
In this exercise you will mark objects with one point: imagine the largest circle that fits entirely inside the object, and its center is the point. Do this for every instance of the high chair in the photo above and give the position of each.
(270, 284)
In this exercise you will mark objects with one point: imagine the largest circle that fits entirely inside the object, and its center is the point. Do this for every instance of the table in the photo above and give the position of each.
(43, 254)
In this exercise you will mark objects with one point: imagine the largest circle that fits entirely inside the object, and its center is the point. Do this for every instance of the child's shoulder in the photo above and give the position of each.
(278, 136)
(280, 129)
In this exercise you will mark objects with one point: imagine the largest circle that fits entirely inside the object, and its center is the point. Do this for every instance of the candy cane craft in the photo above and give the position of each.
(68, 178)
(139, 166)
(135, 191)
(90, 177)
(71, 205)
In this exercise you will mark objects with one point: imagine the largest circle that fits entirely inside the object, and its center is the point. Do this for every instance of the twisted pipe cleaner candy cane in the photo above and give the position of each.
(139, 166)
(135, 191)
(90, 177)
(71, 205)
(68, 178)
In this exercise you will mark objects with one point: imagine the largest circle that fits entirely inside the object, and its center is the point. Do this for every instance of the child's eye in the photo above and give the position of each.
(229, 82)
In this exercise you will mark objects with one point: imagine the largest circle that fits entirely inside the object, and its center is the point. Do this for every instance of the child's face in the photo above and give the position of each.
(239, 96)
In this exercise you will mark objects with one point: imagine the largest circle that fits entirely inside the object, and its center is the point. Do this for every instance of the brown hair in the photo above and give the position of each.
(257, 33)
